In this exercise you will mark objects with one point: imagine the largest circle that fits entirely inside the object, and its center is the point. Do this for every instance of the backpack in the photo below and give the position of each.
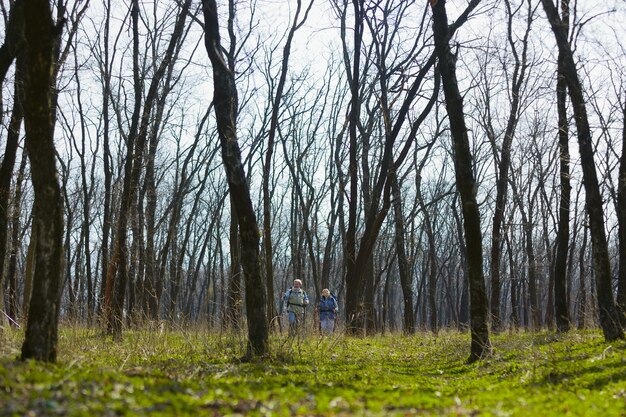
(332, 297)
(288, 296)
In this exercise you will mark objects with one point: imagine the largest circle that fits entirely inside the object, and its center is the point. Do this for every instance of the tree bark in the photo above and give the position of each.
(225, 101)
(609, 314)
(560, 265)
(466, 186)
(39, 119)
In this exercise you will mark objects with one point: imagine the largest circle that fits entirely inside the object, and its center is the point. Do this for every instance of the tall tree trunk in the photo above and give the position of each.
(29, 271)
(609, 314)
(6, 173)
(234, 297)
(582, 291)
(514, 282)
(117, 274)
(432, 259)
(354, 287)
(464, 310)
(133, 168)
(106, 161)
(466, 186)
(267, 224)
(621, 215)
(406, 277)
(13, 306)
(39, 119)
(560, 265)
(225, 100)
(527, 224)
(518, 81)
(86, 192)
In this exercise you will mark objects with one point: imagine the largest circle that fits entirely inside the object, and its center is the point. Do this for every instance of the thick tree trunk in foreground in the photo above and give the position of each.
(609, 314)
(39, 118)
(480, 345)
(225, 101)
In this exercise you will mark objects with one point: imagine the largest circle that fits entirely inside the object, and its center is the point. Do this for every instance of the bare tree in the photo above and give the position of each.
(297, 23)
(518, 80)
(560, 266)
(621, 210)
(13, 41)
(480, 345)
(6, 173)
(39, 119)
(117, 273)
(609, 314)
(225, 102)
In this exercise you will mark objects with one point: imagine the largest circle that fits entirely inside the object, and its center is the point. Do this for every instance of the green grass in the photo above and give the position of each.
(195, 373)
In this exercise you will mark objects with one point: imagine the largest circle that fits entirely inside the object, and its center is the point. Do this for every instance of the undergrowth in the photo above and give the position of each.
(194, 373)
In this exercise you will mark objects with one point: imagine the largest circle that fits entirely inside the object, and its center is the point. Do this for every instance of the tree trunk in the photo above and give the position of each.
(234, 297)
(106, 162)
(6, 173)
(39, 119)
(519, 79)
(354, 287)
(406, 277)
(464, 310)
(621, 216)
(117, 274)
(137, 138)
(432, 258)
(609, 314)
(267, 230)
(514, 282)
(466, 186)
(13, 307)
(13, 38)
(225, 100)
(582, 291)
(560, 265)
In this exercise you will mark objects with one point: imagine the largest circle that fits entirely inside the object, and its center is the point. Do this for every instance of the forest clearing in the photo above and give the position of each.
(195, 373)
(178, 177)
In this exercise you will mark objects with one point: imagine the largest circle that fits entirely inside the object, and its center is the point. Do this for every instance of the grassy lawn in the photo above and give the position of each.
(178, 373)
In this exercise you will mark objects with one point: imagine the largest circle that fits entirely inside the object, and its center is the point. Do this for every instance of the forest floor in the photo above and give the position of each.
(196, 373)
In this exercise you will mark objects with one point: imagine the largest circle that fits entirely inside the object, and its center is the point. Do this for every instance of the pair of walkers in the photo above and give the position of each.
(296, 300)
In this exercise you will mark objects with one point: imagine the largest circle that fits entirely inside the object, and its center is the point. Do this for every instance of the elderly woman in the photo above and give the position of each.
(327, 307)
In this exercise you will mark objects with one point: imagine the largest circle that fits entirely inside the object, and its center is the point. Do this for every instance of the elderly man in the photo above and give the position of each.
(296, 301)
